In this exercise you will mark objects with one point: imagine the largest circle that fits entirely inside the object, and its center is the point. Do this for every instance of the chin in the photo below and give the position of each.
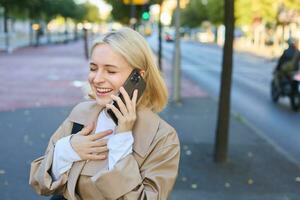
(102, 102)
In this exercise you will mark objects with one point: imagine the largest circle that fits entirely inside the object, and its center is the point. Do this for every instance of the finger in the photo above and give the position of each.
(100, 135)
(98, 150)
(99, 143)
(127, 99)
(87, 129)
(96, 157)
(134, 99)
(115, 111)
(121, 104)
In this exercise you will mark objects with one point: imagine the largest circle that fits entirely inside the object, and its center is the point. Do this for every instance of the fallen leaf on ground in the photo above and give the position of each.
(194, 186)
(227, 185)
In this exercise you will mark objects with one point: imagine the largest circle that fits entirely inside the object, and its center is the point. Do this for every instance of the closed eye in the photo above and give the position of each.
(92, 69)
(111, 72)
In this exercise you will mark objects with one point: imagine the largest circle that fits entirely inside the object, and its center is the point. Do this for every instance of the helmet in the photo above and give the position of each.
(291, 41)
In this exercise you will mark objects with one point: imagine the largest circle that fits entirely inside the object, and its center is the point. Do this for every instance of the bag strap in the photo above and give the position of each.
(76, 128)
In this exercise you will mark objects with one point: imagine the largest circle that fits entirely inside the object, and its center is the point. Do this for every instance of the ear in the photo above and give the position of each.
(142, 73)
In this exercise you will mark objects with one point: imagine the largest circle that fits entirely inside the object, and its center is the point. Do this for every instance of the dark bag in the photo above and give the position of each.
(75, 129)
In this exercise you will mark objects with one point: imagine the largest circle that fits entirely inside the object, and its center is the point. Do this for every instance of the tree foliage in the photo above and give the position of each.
(91, 12)
(215, 9)
(121, 12)
(246, 11)
(292, 4)
(194, 14)
(48, 9)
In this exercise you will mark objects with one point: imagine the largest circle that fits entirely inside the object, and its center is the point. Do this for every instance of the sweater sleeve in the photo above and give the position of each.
(63, 158)
(119, 146)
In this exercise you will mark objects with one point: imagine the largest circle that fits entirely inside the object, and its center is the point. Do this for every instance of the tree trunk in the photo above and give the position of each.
(221, 143)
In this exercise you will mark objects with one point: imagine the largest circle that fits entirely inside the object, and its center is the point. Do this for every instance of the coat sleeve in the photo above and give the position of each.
(40, 173)
(153, 180)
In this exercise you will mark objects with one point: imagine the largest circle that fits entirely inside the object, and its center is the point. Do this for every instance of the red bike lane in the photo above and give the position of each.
(54, 75)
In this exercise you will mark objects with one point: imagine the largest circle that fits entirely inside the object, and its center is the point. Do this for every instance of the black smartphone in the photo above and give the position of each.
(134, 81)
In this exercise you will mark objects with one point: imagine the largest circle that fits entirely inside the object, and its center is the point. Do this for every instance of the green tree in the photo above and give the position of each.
(91, 12)
(11, 8)
(292, 4)
(194, 14)
(248, 11)
(243, 12)
(215, 11)
(121, 12)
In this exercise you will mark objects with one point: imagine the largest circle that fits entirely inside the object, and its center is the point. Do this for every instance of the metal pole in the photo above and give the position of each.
(6, 31)
(159, 39)
(86, 47)
(177, 57)
(132, 15)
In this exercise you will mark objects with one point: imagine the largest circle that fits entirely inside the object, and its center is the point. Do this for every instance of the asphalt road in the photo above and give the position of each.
(250, 91)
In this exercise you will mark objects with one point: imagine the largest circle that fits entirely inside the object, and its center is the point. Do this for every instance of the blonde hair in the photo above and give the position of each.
(134, 48)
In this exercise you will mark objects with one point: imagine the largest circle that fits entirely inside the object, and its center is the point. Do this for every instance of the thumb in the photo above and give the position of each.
(87, 129)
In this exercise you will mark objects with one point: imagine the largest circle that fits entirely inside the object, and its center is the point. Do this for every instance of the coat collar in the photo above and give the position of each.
(144, 130)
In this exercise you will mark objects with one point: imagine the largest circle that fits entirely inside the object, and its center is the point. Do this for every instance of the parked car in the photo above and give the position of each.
(169, 37)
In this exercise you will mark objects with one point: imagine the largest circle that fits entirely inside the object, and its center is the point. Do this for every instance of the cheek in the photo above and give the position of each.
(90, 77)
(118, 82)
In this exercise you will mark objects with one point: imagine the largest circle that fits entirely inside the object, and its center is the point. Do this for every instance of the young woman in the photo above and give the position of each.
(136, 159)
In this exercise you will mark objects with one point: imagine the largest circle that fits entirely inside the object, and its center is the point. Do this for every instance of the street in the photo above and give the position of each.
(250, 91)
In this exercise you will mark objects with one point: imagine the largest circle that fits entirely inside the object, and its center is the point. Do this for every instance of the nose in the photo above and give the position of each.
(99, 77)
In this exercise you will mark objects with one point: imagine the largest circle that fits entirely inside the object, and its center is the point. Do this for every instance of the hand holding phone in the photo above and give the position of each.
(124, 104)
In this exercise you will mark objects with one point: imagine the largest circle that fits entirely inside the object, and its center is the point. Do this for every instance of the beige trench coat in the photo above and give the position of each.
(148, 173)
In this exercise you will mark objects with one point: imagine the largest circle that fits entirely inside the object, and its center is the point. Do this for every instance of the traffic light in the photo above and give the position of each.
(146, 12)
(146, 15)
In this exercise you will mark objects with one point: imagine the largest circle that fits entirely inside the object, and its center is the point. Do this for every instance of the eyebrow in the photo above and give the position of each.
(106, 65)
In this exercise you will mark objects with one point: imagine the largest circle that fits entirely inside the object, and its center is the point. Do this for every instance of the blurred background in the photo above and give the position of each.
(263, 25)
(237, 119)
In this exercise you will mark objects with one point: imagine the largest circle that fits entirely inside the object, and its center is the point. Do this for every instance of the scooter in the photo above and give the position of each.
(287, 86)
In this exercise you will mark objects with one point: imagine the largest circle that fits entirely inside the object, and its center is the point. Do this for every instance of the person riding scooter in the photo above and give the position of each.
(287, 55)
(285, 81)
(288, 61)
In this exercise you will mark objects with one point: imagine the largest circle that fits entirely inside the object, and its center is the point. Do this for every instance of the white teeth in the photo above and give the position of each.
(102, 90)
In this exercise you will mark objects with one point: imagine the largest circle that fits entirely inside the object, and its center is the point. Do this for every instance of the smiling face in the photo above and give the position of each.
(108, 72)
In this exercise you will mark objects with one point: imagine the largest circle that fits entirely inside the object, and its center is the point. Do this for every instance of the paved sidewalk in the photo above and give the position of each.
(44, 76)
(255, 170)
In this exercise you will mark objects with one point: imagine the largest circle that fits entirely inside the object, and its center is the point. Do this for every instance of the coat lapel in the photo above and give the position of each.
(84, 113)
(144, 131)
